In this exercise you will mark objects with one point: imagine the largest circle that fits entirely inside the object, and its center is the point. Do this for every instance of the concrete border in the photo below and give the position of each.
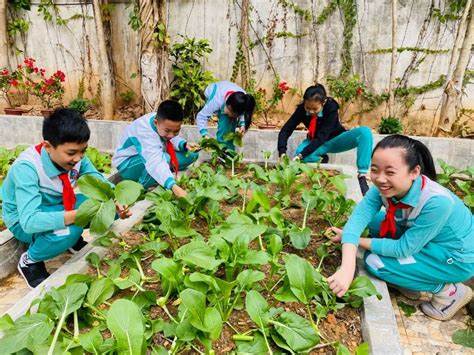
(104, 135)
(378, 323)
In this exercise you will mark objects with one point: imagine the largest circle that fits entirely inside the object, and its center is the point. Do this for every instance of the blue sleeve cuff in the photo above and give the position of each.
(376, 246)
(204, 132)
(182, 146)
(169, 183)
(350, 239)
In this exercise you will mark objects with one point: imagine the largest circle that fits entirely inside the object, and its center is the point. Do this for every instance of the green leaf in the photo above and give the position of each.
(6, 322)
(238, 225)
(100, 291)
(199, 254)
(125, 321)
(170, 271)
(86, 212)
(29, 330)
(362, 349)
(68, 298)
(407, 309)
(302, 277)
(255, 347)
(360, 288)
(93, 259)
(300, 238)
(95, 188)
(127, 192)
(296, 331)
(253, 257)
(132, 280)
(91, 341)
(104, 218)
(342, 350)
(257, 308)
(464, 337)
(247, 278)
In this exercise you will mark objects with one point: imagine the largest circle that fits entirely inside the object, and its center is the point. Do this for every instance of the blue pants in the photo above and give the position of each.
(134, 167)
(428, 270)
(47, 245)
(225, 125)
(359, 138)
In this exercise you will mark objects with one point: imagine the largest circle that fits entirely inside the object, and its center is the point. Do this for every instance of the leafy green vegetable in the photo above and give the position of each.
(407, 309)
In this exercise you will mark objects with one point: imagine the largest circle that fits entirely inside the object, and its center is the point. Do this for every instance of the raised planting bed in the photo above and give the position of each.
(239, 265)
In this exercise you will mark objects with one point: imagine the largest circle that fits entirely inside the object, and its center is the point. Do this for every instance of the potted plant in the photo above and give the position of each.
(268, 106)
(14, 90)
(49, 90)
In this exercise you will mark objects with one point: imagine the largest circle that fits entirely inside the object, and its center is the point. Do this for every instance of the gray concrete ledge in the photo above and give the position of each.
(105, 134)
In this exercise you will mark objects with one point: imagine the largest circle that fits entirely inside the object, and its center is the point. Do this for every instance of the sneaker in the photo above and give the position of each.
(34, 273)
(324, 159)
(364, 186)
(448, 301)
(76, 248)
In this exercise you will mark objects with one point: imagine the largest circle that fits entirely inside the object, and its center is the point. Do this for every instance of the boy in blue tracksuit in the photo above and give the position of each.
(151, 152)
(423, 241)
(39, 203)
(319, 113)
(233, 107)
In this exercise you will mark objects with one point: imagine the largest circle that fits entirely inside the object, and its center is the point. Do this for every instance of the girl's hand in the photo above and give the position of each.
(338, 234)
(240, 130)
(340, 281)
(122, 211)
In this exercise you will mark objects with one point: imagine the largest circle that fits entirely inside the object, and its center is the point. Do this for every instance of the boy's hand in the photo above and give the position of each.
(192, 147)
(69, 217)
(334, 230)
(178, 191)
(122, 211)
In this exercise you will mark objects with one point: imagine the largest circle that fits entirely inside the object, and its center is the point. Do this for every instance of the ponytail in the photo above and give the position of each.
(242, 104)
(315, 93)
(416, 153)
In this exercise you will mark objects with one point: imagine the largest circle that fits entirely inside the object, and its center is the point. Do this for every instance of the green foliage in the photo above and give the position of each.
(464, 337)
(45, 7)
(127, 96)
(390, 125)
(409, 49)
(407, 309)
(18, 26)
(304, 13)
(81, 105)
(460, 182)
(190, 78)
(452, 12)
(20, 4)
(99, 209)
(134, 20)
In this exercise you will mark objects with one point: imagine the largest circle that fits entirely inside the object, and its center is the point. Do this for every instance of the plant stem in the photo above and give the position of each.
(169, 314)
(315, 327)
(276, 283)
(76, 326)
(232, 327)
(58, 330)
(305, 215)
(260, 242)
(139, 266)
(266, 342)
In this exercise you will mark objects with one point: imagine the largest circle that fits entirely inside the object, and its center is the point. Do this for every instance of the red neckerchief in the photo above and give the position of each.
(174, 163)
(69, 197)
(313, 125)
(389, 225)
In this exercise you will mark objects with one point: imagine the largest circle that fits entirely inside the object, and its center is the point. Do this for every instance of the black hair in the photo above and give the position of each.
(170, 110)
(315, 93)
(241, 103)
(65, 125)
(416, 153)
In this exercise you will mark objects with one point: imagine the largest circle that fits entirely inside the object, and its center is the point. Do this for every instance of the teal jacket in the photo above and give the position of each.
(32, 187)
(436, 216)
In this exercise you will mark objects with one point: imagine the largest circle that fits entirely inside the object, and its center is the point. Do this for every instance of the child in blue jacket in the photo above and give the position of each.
(151, 152)
(233, 107)
(423, 241)
(39, 202)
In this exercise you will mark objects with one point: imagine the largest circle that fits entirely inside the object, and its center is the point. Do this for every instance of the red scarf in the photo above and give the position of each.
(174, 160)
(69, 197)
(389, 225)
(313, 125)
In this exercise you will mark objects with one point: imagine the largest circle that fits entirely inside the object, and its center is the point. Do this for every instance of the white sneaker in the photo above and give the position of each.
(448, 301)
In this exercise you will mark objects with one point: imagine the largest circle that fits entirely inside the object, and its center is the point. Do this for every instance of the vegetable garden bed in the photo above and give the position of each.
(237, 266)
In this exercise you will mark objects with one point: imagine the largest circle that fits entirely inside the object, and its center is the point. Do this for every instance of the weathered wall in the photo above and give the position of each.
(299, 61)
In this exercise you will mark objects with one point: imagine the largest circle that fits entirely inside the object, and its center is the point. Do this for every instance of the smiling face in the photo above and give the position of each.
(390, 173)
(66, 155)
(167, 129)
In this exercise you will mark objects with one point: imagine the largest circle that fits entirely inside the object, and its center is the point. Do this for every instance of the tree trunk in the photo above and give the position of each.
(4, 62)
(393, 62)
(457, 66)
(244, 40)
(107, 88)
(153, 54)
